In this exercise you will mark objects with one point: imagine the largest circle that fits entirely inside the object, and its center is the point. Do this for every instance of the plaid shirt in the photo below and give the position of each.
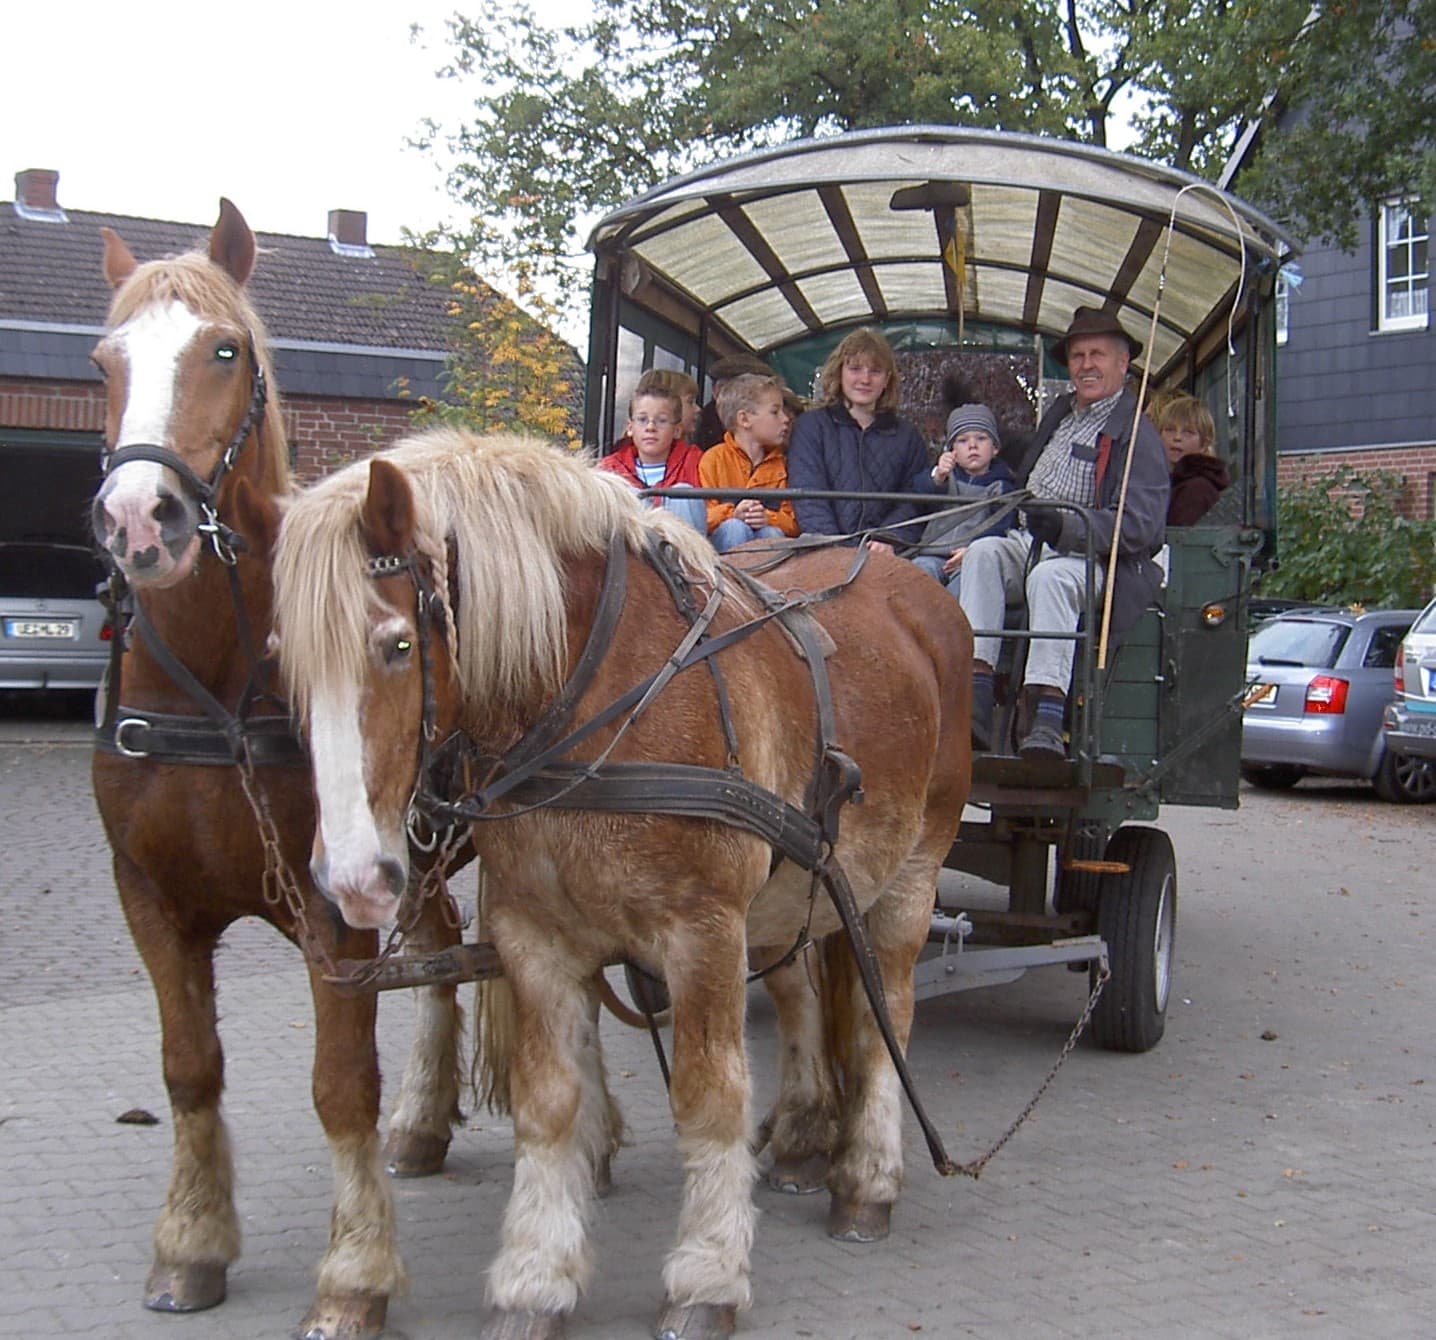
(1067, 468)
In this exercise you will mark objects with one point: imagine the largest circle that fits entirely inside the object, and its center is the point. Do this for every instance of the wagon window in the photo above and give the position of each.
(1298, 642)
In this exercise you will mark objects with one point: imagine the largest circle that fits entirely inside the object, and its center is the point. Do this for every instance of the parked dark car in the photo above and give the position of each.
(1320, 679)
(1409, 724)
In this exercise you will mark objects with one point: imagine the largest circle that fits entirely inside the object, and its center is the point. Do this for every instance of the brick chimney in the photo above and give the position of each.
(35, 196)
(347, 228)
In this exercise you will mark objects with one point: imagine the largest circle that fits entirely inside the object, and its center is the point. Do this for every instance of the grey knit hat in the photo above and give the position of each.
(967, 418)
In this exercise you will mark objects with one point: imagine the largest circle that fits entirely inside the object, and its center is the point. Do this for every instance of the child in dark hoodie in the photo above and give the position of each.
(1198, 476)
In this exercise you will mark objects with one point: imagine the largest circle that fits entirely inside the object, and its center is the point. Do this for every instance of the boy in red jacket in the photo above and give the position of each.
(653, 457)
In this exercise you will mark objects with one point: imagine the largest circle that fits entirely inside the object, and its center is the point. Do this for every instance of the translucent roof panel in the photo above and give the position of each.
(812, 213)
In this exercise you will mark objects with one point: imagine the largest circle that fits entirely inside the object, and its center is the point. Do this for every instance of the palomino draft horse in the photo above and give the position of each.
(189, 424)
(501, 589)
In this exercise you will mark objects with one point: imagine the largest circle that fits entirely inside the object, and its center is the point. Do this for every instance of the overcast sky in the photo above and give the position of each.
(290, 109)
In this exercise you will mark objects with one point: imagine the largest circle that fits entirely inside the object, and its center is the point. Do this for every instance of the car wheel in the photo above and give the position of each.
(1137, 917)
(1404, 780)
(1272, 776)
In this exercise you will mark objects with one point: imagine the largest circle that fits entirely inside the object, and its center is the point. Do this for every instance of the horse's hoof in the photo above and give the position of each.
(186, 1288)
(518, 1325)
(603, 1176)
(409, 1154)
(695, 1321)
(799, 1177)
(859, 1221)
(345, 1316)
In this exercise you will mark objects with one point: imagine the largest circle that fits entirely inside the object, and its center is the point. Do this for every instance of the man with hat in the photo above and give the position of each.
(1077, 456)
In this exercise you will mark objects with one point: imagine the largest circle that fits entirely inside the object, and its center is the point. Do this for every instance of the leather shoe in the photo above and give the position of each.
(1042, 741)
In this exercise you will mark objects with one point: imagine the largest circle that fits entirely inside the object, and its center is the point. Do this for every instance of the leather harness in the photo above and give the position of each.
(534, 774)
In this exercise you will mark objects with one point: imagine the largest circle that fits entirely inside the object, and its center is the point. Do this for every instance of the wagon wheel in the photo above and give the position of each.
(1137, 917)
(645, 990)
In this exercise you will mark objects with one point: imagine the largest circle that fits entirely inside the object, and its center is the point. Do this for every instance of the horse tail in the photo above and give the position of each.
(493, 1044)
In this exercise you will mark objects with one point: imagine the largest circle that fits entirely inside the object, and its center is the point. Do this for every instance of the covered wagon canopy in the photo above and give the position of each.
(887, 225)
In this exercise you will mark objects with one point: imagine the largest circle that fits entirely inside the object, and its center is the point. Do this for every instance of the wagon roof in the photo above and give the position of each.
(780, 244)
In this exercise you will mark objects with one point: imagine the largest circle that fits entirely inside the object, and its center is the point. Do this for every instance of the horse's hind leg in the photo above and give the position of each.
(867, 1172)
(706, 1276)
(561, 1131)
(802, 1129)
(427, 1110)
(197, 1234)
(361, 1267)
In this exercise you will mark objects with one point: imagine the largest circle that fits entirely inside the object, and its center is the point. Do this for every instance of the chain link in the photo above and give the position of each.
(974, 1168)
(282, 891)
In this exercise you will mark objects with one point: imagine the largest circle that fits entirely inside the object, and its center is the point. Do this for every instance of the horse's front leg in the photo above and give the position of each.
(427, 1110)
(562, 1133)
(361, 1266)
(706, 1276)
(867, 1172)
(801, 1131)
(197, 1234)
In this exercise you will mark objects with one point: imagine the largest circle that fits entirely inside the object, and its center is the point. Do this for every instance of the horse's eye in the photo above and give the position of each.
(227, 352)
(399, 648)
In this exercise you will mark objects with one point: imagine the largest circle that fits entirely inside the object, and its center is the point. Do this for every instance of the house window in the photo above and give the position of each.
(1403, 271)
(1283, 309)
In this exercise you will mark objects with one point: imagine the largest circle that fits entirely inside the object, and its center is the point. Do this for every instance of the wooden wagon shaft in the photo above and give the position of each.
(477, 962)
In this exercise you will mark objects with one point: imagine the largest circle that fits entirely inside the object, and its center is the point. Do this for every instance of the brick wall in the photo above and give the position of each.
(1416, 464)
(323, 433)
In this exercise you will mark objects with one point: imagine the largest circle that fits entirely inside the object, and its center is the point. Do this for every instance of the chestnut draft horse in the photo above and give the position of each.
(455, 583)
(190, 425)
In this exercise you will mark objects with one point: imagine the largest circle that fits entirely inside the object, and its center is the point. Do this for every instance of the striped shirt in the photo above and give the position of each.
(1067, 468)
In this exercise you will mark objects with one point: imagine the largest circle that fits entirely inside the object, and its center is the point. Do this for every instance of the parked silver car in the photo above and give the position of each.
(1320, 679)
(1409, 724)
(53, 633)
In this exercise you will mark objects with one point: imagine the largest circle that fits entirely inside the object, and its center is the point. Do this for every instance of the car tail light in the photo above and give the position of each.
(1400, 669)
(1327, 694)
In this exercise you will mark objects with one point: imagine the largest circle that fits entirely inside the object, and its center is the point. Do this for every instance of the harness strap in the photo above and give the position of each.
(168, 738)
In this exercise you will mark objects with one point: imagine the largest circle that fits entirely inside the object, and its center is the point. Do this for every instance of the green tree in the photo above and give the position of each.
(1342, 539)
(506, 368)
(570, 121)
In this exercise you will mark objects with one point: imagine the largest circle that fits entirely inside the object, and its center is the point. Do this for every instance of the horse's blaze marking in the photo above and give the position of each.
(154, 342)
(346, 821)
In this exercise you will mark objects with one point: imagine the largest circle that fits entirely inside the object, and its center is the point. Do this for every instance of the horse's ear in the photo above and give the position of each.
(388, 515)
(257, 516)
(231, 244)
(119, 262)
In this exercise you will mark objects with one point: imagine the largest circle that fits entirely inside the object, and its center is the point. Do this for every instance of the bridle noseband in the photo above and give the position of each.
(224, 541)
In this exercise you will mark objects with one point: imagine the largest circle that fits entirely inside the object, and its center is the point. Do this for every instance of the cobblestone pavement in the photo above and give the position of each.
(1268, 1170)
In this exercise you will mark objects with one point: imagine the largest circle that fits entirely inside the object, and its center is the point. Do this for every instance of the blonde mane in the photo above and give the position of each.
(515, 509)
(199, 284)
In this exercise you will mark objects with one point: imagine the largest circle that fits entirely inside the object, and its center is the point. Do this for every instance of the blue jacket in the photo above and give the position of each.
(830, 451)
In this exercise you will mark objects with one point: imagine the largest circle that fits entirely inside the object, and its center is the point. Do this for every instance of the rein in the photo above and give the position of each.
(532, 774)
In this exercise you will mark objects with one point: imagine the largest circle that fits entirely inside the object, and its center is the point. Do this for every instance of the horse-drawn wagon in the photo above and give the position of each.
(975, 244)
(398, 619)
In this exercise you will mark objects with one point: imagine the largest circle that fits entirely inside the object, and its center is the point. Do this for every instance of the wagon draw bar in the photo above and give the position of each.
(533, 774)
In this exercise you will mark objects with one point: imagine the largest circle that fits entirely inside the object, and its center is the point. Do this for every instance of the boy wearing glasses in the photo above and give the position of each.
(651, 456)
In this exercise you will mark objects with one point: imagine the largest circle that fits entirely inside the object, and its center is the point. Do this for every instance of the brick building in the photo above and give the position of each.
(356, 330)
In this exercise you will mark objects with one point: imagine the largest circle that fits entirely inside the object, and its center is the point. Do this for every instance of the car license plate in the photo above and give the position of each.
(1261, 695)
(69, 628)
(1418, 726)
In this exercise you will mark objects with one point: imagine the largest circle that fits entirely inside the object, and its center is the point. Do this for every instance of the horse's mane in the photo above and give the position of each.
(515, 510)
(202, 286)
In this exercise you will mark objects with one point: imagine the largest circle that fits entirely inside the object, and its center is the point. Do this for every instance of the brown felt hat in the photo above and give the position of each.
(1093, 321)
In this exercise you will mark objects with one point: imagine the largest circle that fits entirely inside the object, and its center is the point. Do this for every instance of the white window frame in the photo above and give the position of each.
(1414, 284)
(1283, 310)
